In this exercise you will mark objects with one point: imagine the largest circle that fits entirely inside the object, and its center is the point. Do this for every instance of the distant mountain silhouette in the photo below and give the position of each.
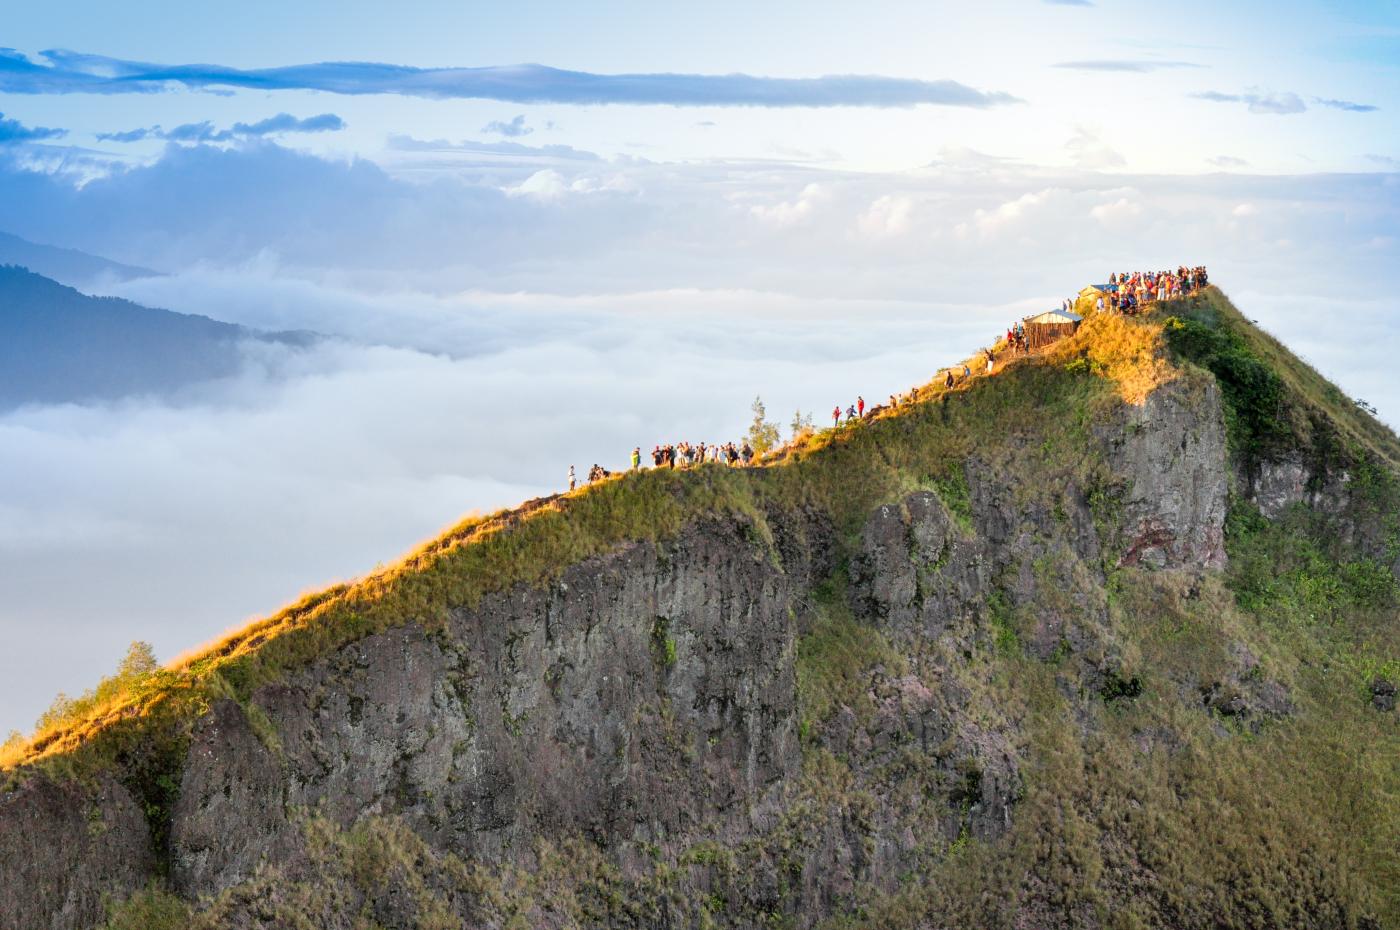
(67, 266)
(59, 345)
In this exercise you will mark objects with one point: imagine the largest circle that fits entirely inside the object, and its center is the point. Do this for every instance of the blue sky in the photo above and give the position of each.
(520, 276)
(1303, 52)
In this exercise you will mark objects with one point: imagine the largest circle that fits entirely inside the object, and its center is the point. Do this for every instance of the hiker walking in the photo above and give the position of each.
(850, 414)
(948, 381)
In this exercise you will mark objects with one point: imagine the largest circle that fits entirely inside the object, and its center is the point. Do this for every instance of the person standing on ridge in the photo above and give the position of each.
(636, 457)
(836, 416)
(948, 381)
(573, 482)
(860, 406)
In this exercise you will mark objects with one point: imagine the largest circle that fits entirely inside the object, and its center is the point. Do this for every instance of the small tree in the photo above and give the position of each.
(801, 425)
(135, 668)
(139, 662)
(763, 436)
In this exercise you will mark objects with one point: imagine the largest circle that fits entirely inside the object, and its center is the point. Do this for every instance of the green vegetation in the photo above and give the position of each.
(663, 644)
(1288, 571)
(151, 909)
(1277, 401)
(952, 489)
(135, 671)
(834, 658)
(1253, 392)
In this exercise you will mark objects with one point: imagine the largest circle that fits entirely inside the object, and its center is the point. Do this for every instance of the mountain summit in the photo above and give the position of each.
(1106, 638)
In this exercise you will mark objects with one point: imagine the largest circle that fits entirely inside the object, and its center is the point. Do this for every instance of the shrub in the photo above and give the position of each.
(1253, 391)
(153, 908)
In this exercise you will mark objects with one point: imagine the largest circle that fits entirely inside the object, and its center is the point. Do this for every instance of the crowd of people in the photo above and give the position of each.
(1131, 291)
(1126, 292)
(685, 454)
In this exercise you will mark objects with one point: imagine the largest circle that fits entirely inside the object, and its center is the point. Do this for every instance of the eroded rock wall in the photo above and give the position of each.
(643, 696)
(648, 700)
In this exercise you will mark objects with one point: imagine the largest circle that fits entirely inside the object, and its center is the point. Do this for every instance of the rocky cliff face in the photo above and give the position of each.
(770, 719)
(648, 697)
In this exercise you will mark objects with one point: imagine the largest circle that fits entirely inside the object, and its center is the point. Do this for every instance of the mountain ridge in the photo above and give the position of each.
(72, 267)
(59, 345)
(945, 650)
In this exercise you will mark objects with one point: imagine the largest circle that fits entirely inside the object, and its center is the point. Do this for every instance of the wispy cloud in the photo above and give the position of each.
(63, 72)
(1276, 103)
(1282, 103)
(410, 144)
(12, 130)
(513, 128)
(205, 131)
(1345, 105)
(1125, 65)
(1228, 161)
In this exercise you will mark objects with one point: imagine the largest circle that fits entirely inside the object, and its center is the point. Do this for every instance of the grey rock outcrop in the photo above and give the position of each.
(643, 696)
(65, 849)
(1172, 451)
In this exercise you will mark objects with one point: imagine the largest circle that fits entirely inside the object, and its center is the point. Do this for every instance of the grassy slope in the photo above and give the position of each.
(845, 471)
(1190, 818)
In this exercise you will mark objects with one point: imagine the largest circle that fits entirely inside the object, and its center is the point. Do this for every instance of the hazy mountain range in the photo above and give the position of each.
(59, 345)
(68, 266)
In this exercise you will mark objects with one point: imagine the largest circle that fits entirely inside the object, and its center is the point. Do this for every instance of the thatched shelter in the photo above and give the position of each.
(1050, 327)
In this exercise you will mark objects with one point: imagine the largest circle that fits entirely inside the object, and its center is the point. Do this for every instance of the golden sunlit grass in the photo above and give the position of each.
(844, 470)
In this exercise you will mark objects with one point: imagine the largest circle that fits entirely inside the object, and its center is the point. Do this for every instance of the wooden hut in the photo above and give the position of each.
(1050, 327)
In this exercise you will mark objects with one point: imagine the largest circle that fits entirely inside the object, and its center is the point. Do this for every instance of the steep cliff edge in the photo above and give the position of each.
(1093, 642)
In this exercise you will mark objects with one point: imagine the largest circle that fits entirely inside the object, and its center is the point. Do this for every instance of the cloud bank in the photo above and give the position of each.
(1282, 103)
(65, 72)
(13, 131)
(205, 131)
(1346, 105)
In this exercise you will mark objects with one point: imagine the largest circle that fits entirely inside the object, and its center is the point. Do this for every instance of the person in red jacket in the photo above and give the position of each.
(860, 407)
(836, 415)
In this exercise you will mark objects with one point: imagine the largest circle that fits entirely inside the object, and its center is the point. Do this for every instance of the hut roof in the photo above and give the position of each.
(1093, 289)
(1055, 317)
